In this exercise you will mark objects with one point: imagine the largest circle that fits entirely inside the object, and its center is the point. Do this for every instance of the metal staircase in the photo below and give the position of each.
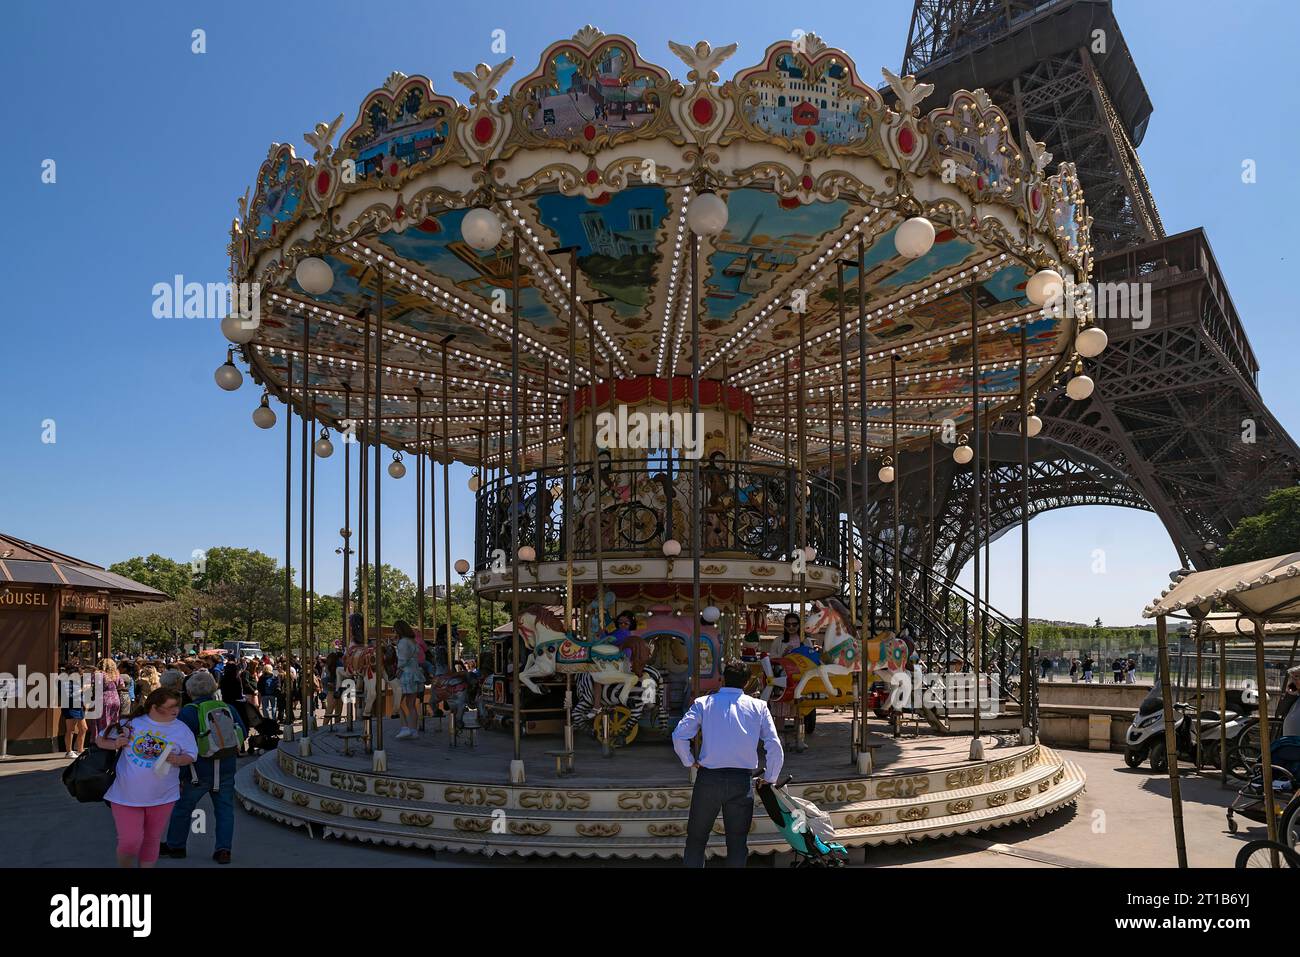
(940, 616)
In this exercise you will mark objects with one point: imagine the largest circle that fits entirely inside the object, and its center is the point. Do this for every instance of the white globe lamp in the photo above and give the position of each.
(395, 468)
(239, 330)
(1091, 342)
(707, 214)
(323, 447)
(264, 415)
(915, 237)
(481, 228)
(228, 375)
(314, 275)
(1044, 286)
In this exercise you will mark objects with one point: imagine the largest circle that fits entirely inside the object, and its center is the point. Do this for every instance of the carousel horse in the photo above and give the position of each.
(454, 690)
(552, 649)
(840, 648)
(787, 678)
(359, 664)
(589, 697)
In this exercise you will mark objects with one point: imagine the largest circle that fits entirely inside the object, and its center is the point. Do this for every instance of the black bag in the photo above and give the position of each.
(89, 777)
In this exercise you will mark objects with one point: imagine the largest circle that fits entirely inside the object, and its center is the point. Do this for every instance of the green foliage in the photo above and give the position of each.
(1274, 531)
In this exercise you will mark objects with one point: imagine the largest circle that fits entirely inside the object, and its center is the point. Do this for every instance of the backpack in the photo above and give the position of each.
(220, 735)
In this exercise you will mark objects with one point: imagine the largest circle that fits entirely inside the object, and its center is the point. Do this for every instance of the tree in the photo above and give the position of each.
(247, 585)
(158, 572)
(399, 595)
(1275, 530)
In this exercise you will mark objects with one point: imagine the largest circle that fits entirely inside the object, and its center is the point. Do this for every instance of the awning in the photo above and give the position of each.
(22, 563)
(1221, 625)
(1268, 588)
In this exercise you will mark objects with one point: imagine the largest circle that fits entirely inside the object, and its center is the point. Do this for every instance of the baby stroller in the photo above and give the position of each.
(1249, 802)
(264, 735)
(805, 827)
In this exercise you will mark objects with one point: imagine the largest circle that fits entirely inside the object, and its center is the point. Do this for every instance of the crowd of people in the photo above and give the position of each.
(1123, 669)
(182, 723)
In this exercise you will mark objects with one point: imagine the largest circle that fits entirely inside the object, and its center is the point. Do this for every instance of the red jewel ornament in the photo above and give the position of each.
(392, 169)
(806, 182)
(322, 182)
(810, 137)
(702, 110)
(589, 132)
(483, 130)
(399, 211)
(1035, 199)
(906, 141)
(592, 176)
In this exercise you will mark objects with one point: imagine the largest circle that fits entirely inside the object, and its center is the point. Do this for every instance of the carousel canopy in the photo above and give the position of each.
(1268, 588)
(592, 160)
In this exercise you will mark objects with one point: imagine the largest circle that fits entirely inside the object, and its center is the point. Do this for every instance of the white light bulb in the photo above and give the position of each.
(239, 331)
(915, 237)
(1043, 286)
(228, 376)
(481, 228)
(1079, 387)
(314, 276)
(707, 214)
(1091, 342)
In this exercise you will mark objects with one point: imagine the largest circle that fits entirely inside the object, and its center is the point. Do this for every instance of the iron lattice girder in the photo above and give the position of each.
(1172, 401)
(1090, 108)
(1169, 412)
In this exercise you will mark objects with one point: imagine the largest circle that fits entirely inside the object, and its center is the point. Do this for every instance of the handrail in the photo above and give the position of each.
(938, 609)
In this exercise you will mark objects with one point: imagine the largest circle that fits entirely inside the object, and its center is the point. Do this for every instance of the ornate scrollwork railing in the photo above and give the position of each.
(749, 509)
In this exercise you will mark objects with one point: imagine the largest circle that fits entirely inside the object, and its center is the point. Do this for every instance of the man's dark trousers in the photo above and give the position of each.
(731, 791)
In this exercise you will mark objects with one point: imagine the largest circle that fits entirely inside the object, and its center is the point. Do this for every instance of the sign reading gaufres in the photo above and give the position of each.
(21, 598)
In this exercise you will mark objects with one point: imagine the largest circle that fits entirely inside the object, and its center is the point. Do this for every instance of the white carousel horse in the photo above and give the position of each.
(551, 648)
(841, 651)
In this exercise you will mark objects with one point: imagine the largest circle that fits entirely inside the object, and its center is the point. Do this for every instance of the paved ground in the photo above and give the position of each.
(1122, 819)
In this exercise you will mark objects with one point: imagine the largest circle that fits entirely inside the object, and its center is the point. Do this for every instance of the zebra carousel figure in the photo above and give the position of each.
(616, 683)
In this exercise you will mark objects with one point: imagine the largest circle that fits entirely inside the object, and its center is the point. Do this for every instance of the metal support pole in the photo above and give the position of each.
(1265, 734)
(379, 761)
(288, 519)
(864, 756)
(446, 533)
(977, 746)
(1171, 741)
(517, 762)
(696, 537)
(898, 519)
(1027, 721)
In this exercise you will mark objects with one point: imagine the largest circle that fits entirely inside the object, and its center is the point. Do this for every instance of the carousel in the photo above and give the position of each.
(681, 330)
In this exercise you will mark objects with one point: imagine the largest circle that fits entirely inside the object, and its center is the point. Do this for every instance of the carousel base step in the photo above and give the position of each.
(568, 821)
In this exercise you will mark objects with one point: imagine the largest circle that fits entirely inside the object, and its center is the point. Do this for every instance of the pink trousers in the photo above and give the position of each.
(140, 829)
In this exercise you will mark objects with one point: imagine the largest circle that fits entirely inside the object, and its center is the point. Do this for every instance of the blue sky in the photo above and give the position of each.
(154, 143)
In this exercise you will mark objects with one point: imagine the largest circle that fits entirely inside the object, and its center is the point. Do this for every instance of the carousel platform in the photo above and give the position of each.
(634, 804)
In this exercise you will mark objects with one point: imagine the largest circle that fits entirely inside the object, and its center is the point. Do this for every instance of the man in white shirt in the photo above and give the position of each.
(731, 724)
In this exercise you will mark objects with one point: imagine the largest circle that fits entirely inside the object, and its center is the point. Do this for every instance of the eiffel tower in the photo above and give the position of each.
(1176, 424)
